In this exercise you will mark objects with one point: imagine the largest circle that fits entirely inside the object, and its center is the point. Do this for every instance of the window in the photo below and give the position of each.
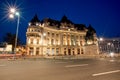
(57, 51)
(65, 53)
(64, 36)
(73, 53)
(31, 51)
(76, 37)
(37, 51)
(53, 51)
(40, 36)
(64, 48)
(80, 37)
(31, 41)
(78, 51)
(48, 33)
(48, 41)
(32, 30)
(37, 41)
(69, 51)
(38, 30)
(52, 34)
(57, 35)
(48, 51)
(57, 42)
(52, 41)
(82, 51)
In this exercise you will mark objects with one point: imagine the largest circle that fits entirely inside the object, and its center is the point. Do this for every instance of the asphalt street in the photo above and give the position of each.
(69, 69)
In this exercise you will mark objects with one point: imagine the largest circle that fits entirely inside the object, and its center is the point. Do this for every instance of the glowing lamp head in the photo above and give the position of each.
(112, 54)
(101, 39)
(109, 44)
(11, 16)
(17, 13)
(12, 10)
(37, 24)
(29, 24)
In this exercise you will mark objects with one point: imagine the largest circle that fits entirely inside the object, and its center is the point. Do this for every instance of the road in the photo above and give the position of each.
(69, 69)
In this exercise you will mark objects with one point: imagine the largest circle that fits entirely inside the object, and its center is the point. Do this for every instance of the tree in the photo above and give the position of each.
(10, 39)
(90, 33)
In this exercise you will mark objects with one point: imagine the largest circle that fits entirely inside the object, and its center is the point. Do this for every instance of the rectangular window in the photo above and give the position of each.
(31, 51)
(80, 37)
(37, 51)
(57, 42)
(52, 34)
(65, 53)
(57, 51)
(57, 35)
(31, 41)
(48, 51)
(37, 41)
(78, 51)
(53, 51)
(48, 33)
(52, 41)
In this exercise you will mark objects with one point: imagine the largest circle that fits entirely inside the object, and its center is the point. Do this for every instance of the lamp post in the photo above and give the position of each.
(99, 44)
(14, 13)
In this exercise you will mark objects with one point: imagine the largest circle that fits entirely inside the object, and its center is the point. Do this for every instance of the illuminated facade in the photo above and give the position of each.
(109, 45)
(51, 37)
(5, 47)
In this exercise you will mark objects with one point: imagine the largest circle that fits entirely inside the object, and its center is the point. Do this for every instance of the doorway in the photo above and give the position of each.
(69, 51)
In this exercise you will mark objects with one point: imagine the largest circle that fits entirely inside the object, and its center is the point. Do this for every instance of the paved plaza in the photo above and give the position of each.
(60, 69)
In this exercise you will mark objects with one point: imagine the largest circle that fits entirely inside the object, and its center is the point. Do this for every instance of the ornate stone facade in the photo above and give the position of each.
(51, 37)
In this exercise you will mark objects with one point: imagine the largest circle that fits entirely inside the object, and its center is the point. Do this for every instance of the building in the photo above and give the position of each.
(52, 37)
(22, 49)
(5, 48)
(109, 45)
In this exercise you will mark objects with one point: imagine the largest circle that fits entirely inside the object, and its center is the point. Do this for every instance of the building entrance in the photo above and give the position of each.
(69, 51)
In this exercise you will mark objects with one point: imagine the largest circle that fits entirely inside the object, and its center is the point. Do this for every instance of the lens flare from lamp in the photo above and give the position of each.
(12, 10)
(11, 16)
(17, 13)
(112, 54)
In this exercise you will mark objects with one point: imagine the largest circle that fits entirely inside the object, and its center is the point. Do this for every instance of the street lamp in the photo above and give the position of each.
(101, 39)
(12, 14)
(99, 44)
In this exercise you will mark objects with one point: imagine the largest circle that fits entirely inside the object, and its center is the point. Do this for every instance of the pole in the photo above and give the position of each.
(18, 21)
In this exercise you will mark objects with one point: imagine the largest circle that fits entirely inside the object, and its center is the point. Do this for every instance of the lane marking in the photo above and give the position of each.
(68, 66)
(102, 59)
(60, 62)
(112, 60)
(63, 62)
(103, 73)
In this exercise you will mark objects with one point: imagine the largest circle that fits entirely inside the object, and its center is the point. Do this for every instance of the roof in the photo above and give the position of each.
(63, 22)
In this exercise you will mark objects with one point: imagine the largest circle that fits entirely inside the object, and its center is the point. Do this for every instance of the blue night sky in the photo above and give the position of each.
(103, 15)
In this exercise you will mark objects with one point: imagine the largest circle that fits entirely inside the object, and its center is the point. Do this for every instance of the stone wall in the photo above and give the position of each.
(91, 50)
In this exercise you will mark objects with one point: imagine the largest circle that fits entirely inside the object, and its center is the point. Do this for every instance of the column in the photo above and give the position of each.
(34, 51)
